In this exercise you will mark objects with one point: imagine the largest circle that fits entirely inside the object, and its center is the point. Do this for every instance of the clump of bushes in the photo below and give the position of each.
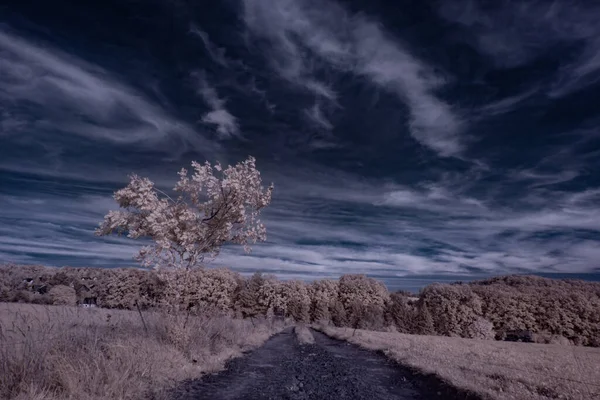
(63, 295)
(63, 352)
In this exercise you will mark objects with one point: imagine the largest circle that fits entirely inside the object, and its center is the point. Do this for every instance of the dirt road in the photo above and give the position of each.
(328, 369)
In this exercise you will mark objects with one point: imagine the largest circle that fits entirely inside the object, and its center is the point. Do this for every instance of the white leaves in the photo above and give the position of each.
(209, 212)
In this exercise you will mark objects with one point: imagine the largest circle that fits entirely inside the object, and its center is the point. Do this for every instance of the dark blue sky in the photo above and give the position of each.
(404, 138)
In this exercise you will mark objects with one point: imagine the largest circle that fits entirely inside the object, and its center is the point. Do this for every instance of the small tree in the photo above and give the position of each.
(424, 321)
(209, 212)
(401, 314)
(338, 313)
(480, 328)
(249, 297)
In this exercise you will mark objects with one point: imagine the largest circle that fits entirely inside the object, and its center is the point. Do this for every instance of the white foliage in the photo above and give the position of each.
(209, 211)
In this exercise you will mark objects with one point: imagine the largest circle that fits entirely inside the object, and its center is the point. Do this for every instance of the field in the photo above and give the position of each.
(58, 352)
(496, 370)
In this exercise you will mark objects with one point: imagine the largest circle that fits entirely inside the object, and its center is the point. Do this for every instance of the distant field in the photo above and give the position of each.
(57, 352)
(497, 370)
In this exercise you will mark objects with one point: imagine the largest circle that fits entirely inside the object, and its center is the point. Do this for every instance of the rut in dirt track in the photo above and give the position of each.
(328, 369)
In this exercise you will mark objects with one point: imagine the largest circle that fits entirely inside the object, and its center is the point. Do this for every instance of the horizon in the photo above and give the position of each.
(404, 140)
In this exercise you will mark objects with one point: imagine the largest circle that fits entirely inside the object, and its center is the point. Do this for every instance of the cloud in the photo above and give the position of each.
(316, 117)
(217, 54)
(515, 33)
(226, 123)
(66, 95)
(583, 72)
(84, 175)
(324, 223)
(323, 262)
(507, 104)
(432, 228)
(306, 36)
(433, 199)
(545, 178)
(60, 229)
(404, 219)
(288, 59)
(64, 247)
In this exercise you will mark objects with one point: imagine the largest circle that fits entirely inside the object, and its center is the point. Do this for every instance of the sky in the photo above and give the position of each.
(406, 139)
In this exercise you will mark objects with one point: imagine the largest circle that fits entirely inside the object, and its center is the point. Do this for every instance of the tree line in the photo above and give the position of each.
(554, 311)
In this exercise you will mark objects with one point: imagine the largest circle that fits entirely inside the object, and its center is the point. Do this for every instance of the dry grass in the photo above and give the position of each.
(496, 370)
(303, 334)
(54, 352)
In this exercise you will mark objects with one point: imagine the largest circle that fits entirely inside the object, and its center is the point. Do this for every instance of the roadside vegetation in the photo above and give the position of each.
(62, 352)
(492, 369)
(456, 331)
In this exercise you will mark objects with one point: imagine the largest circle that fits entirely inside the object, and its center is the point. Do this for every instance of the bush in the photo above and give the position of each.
(22, 296)
(480, 328)
(63, 295)
(548, 338)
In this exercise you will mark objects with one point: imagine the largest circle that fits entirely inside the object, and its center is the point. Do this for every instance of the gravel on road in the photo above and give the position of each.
(328, 369)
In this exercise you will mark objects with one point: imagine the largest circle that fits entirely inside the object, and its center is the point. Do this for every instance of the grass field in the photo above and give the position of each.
(495, 370)
(55, 352)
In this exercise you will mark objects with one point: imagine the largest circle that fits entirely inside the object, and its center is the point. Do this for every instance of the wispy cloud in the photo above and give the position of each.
(66, 95)
(60, 228)
(420, 215)
(307, 35)
(537, 178)
(325, 223)
(217, 54)
(288, 59)
(226, 123)
(515, 33)
(507, 104)
(316, 117)
(434, 228)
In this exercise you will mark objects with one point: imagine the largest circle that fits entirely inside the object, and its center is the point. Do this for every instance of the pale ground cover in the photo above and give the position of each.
(493, 369)
(59, 352)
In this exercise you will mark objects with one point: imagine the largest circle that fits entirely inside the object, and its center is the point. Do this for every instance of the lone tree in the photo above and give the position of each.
(208, 212)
